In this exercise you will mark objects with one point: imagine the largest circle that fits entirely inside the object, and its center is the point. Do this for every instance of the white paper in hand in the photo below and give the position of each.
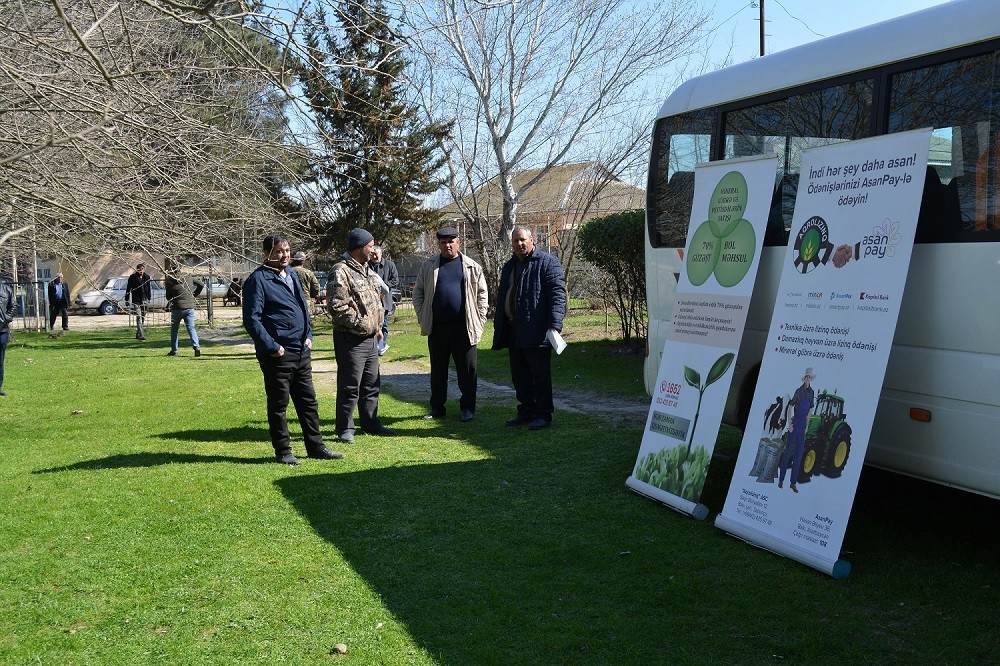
(555, 340)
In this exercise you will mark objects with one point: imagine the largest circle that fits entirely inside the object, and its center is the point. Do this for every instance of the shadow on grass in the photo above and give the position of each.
(130, 460)
(506, 556)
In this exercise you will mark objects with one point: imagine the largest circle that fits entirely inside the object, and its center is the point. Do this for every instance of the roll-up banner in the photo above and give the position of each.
(821, 375)
(732, 200)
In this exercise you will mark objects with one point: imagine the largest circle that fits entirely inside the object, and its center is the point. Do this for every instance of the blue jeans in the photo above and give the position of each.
(187, 314)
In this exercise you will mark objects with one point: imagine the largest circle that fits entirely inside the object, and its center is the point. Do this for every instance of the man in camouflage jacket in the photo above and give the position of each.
(354, 300)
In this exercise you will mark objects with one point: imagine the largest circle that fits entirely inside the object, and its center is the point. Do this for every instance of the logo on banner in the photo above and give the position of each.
(812, 244)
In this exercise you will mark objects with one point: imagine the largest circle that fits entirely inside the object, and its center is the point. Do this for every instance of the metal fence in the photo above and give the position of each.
(31, 311)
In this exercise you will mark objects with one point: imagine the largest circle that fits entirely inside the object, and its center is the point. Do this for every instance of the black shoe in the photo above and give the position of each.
(171, 353)
(381, 430)
(287, 459)
(520, 419)
(2, 392)
(539, 423)
(197, 352)
(326, 454)
(433, 415)
(467, 415)
(347, 437)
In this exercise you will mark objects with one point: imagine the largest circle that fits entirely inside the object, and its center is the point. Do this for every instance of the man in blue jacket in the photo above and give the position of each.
(276, 315)
(531, 301)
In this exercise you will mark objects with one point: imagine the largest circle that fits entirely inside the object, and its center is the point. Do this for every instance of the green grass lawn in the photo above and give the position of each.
(145, 522)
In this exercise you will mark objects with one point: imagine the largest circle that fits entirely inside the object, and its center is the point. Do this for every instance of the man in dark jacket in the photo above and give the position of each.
(386, 270)
(276, 315)
(7, 308)
(138, 293)
(58, 302)
(530, 303)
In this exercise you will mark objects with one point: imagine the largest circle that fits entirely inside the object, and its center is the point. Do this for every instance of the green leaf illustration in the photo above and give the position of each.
(719, 368)
(692, 377)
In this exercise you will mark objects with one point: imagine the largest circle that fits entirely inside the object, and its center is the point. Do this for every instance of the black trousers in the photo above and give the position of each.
(358, 381)
(58, 311)
(531, 374)
(284, 376)
(446, 342)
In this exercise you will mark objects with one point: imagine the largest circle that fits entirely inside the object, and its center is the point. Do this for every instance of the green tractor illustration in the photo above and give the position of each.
(828, 438)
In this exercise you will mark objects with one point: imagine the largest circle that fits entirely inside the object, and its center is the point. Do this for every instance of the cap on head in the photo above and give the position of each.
(358, 237)
(447, 232)
(810, 375)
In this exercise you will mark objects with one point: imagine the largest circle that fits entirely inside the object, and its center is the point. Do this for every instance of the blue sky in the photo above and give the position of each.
(793, 22)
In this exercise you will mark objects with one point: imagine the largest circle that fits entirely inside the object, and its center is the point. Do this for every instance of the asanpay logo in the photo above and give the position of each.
(812, 244)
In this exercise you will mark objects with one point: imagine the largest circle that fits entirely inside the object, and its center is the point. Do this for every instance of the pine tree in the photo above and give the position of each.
(380, 159)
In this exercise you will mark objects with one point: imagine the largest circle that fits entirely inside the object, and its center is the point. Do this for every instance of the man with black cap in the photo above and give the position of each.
(310, 283)
(354, 300)
(450, 299)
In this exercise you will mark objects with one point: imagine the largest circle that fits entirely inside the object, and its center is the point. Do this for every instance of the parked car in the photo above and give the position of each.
(111, 298)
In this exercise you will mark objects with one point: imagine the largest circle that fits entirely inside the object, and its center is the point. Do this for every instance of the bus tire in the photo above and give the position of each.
(746, 397)
(838, 452)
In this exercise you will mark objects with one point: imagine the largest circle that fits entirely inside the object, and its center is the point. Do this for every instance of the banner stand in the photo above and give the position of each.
(839, 569)
(678, 504)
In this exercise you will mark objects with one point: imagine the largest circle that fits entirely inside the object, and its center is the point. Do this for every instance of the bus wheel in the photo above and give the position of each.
(746, 398)
(839, 452)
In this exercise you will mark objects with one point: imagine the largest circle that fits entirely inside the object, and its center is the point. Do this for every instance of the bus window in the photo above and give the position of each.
(679, 144)
(957, 99)
(788, 126)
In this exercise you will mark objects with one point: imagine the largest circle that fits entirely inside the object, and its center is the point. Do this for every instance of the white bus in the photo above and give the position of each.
(939, 413)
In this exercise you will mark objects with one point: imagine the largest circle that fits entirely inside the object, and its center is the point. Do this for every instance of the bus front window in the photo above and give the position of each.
(679, 143)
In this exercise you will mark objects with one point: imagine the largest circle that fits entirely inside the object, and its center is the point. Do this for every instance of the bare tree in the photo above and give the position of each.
(149, 126)
(538, 83)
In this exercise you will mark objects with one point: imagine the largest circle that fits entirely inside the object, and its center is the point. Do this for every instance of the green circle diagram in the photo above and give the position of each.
(725, 243)
(702, 255)
(737, 254)
(728, 203)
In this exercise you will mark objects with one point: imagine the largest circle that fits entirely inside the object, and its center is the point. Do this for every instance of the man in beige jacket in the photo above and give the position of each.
(450, 300)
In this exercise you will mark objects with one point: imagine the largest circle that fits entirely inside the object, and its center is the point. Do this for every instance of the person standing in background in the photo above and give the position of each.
(310, 283)
(7, 308)
(138, 294)
(386, 269)
(58, 302)
(181, 294)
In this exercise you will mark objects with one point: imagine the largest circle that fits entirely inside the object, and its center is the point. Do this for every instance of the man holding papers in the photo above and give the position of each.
(531, 302)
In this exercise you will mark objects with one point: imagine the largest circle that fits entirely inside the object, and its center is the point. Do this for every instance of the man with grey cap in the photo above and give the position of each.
(310, 283)
(450, 299)
(354, 300)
